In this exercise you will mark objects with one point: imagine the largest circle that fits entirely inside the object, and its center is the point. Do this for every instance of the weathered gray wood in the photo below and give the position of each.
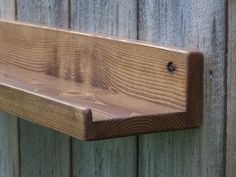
(44, 152)
(197, 25)
(199, 153)
(7, 9)
(108, 158)
(9, 157)
(231, 92)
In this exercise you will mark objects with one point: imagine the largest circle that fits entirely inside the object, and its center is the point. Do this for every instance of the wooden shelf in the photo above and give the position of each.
(93, 87)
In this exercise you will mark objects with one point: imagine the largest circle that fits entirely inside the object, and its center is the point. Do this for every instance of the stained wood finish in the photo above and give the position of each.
(115, 157)
(44, 152)
(231, 93)
(130, 68)
(66, 107)
(193, 24)
(94, 69)
(199, 25)
(9, 152)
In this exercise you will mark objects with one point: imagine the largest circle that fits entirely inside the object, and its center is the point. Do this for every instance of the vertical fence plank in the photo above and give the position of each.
(7, 9)
(197, 25)
(44, 152)
(108, 158)
(231, 92)
(9, 157)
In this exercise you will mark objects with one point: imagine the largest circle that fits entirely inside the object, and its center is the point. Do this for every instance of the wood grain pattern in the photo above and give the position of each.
(99, 68)
(114, 157)
(231, 93)
(44, 152)
(7, 9)
(67, 108)
(130, 68)
(9, 152)
(199, 25)
(9, 146)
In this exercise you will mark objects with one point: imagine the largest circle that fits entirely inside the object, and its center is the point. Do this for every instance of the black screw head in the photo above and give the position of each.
(171, 67)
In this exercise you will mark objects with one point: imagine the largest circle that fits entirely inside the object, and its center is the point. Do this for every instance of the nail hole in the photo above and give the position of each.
(211, 75)
(171, 67)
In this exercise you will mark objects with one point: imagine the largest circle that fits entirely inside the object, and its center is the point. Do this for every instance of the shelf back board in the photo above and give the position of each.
(94, 87)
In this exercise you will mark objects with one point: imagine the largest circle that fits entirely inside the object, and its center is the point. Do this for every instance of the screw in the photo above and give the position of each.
(171, 67)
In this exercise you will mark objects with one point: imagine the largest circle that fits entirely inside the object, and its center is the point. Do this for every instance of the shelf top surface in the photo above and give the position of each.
(104, 104)
(94, 87)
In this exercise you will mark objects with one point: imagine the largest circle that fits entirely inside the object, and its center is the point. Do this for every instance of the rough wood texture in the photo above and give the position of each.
(116, 157)
(7, 9)
(94, 112)
(231, 93)
(186, 23)
(9, 156)
(44, 152)
(197, 25)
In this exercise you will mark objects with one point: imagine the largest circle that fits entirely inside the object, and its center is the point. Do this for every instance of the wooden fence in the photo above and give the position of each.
(209, 26)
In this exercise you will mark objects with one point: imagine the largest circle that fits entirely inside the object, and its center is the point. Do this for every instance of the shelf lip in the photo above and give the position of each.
(92, 87)
(138, 125)
(18, 94)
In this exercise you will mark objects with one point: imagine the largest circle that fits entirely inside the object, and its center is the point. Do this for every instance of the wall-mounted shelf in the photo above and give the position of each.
(93, 87)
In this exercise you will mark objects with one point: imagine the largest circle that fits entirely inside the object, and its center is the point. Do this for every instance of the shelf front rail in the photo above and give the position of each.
(95, 87)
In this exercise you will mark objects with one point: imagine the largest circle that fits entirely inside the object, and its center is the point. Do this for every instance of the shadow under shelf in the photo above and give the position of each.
(92, 87)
